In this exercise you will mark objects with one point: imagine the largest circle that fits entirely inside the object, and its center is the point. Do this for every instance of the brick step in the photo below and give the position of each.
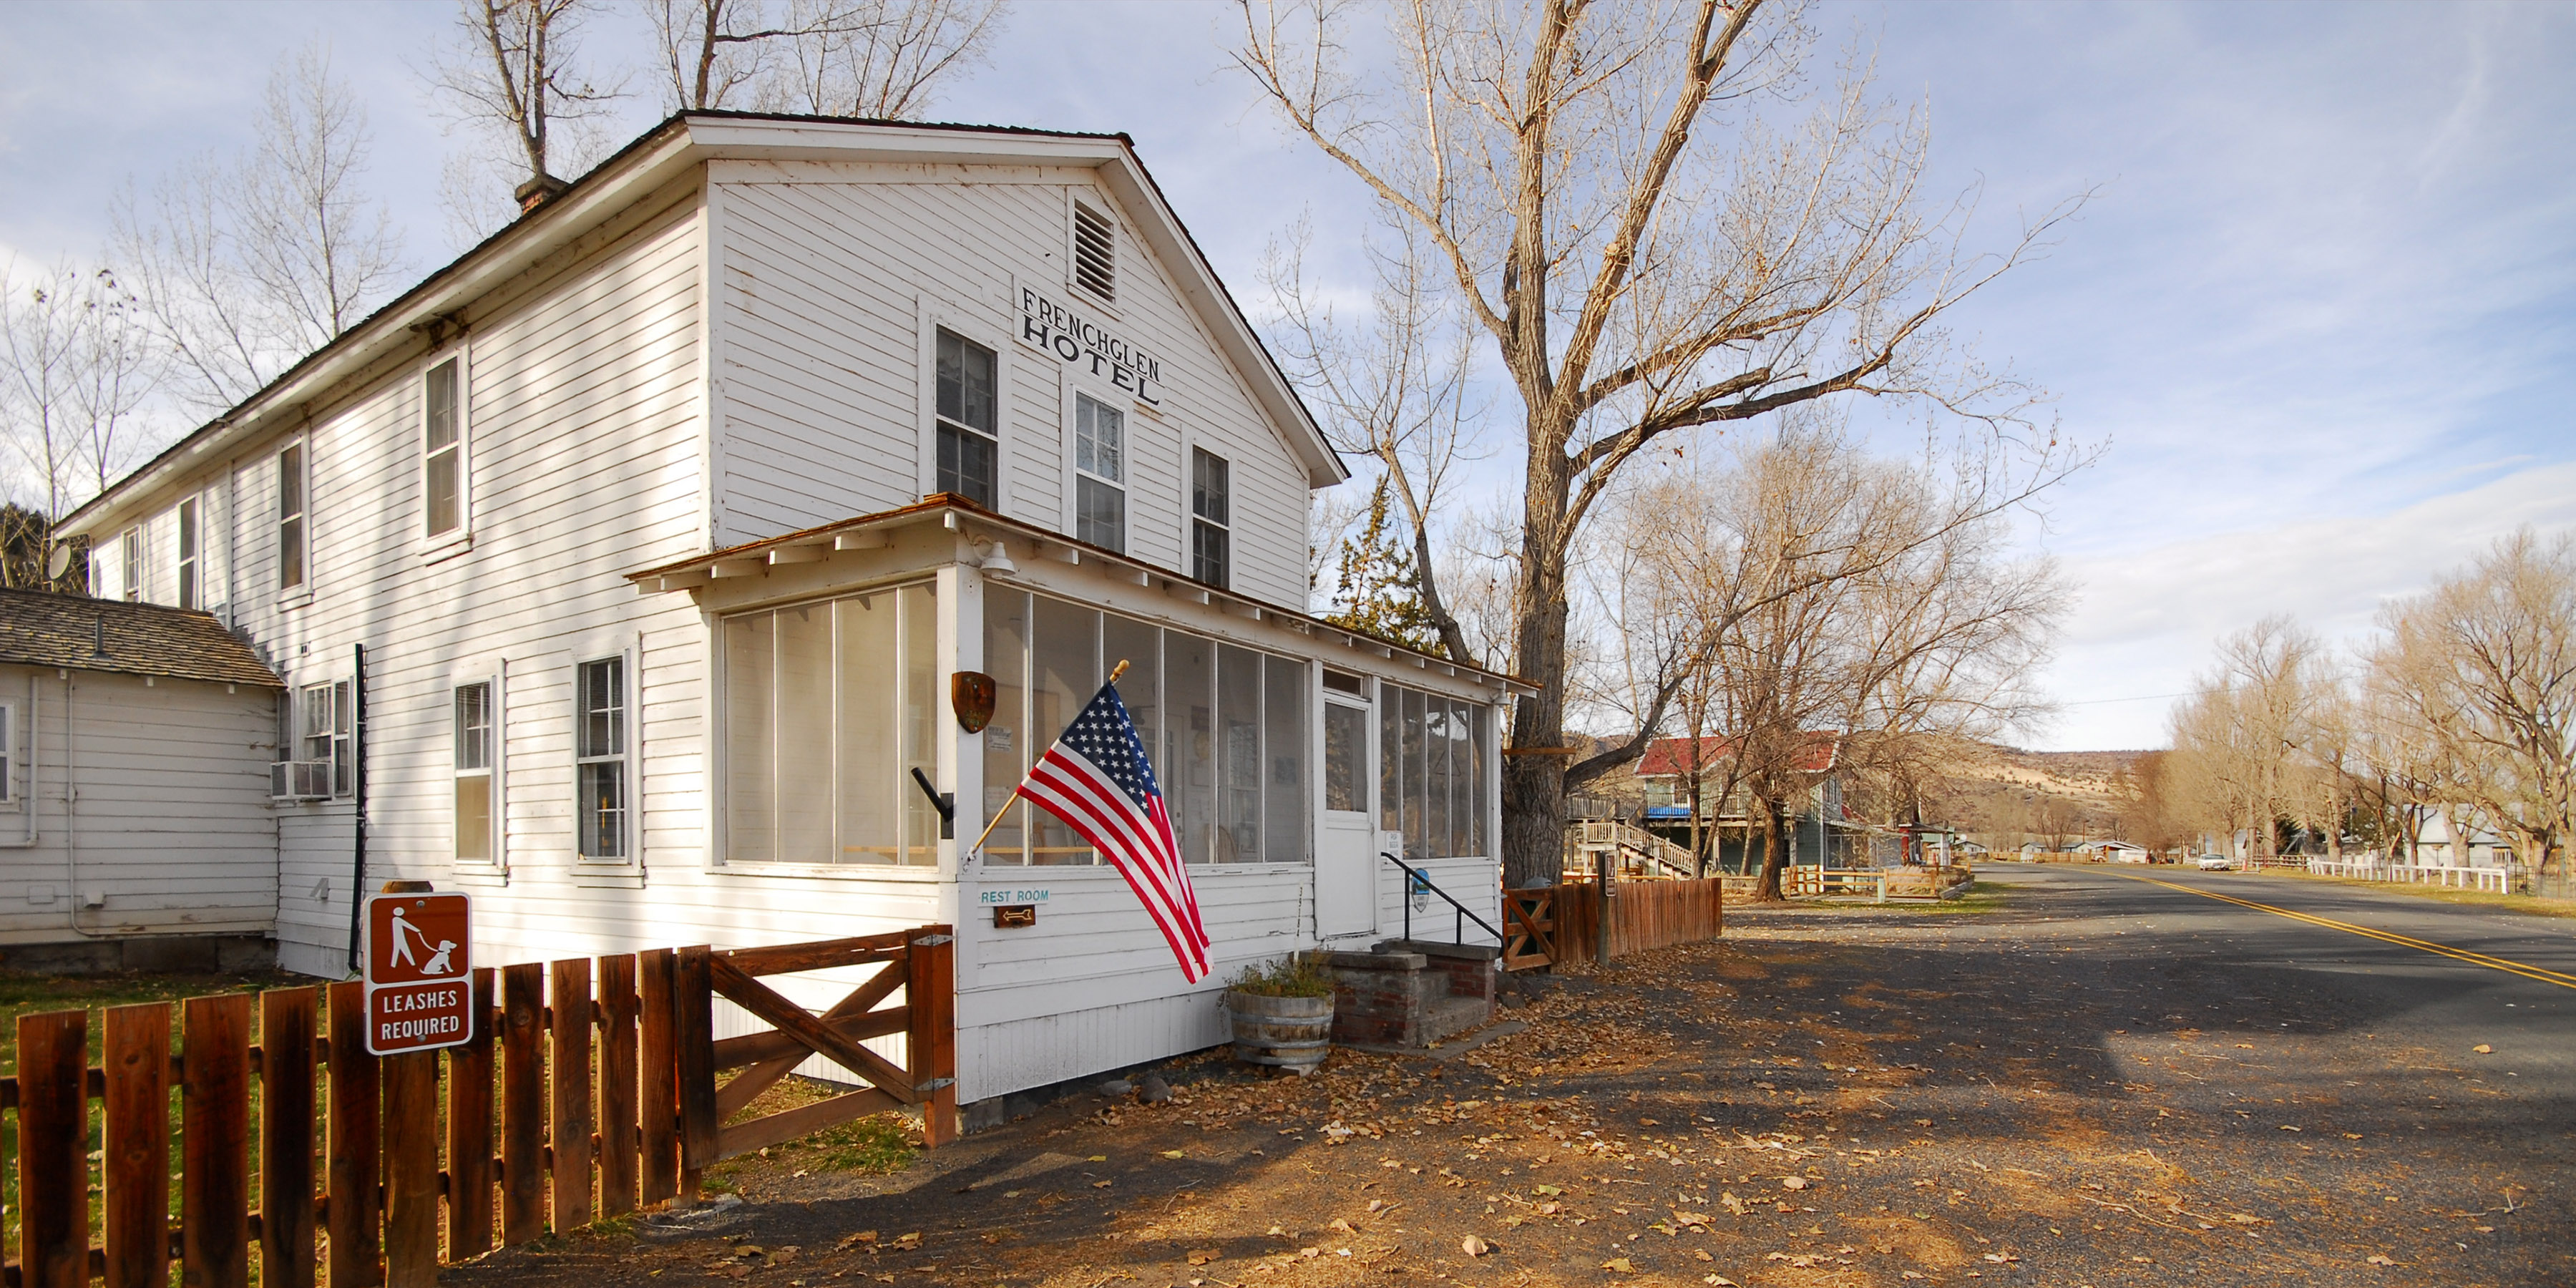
(1449, 1016)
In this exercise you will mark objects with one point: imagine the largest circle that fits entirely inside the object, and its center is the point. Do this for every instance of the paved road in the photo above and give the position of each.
(2325, 979)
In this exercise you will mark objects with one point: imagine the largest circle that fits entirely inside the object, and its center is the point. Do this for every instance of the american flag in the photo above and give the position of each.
(1096, 778)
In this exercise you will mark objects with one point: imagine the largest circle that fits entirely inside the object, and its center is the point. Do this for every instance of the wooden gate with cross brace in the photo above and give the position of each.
(926, 1017)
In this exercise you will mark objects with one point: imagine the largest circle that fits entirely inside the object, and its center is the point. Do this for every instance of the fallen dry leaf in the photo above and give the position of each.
(1171, 1153)
(2378, 1260)
(1793, 1182)
(2483, 1049)
(1619, 1264)
(1473, 1246)
(1202, 1256)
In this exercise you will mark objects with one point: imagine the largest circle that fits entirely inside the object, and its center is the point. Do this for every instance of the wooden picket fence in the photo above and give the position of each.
(1645, 915)
(589, 1091)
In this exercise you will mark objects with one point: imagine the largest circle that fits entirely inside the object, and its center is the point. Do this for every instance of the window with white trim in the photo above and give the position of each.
(599, 755)
(291, 480)
(1095, 253)
(8, 749)
(190, 537)
(969, 446)
(130, 564)
(476, 719)
(1099, 473)
(442, 479)
(1211, 524)
(313, 732)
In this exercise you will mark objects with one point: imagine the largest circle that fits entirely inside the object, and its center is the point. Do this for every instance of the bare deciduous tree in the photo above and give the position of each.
(879, 59)
(2483, 667)
(78, 366)
(1565, 165)
(244, 266)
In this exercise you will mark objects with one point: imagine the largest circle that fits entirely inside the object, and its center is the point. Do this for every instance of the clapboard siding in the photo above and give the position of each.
(825, 271)
(168, 818)
(1477, 883)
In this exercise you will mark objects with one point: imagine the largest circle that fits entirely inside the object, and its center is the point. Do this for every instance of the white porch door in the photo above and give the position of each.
(1345, 861)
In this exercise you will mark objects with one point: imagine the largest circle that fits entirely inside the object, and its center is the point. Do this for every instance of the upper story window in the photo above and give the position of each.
(190, 594)
(443, 449)
(130, 564)
(599, 753)
(969, 452)
(290, 517)
(1211, 527)
(1095, 252)
(1099, 473)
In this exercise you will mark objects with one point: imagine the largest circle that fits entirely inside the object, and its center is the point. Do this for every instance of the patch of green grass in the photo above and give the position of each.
(875, 1146)
(33, 994)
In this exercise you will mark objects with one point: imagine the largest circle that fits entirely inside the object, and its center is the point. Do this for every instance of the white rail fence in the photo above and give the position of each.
(2495, 880)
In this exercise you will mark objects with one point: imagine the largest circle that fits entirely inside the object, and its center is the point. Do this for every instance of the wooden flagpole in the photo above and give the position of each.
(1004, 811)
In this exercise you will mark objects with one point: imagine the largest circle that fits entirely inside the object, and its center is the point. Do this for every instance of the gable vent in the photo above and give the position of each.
(1095, 265)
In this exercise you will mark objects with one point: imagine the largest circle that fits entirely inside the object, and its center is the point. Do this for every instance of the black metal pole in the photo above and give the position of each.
(358, 783)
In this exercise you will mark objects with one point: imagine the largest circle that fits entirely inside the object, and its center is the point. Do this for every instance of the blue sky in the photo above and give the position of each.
(2323, 312)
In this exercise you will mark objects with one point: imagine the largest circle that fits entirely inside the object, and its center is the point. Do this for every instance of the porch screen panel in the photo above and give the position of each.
(1238, 713)
(1439, 788)
(1141, 646)
(1417, 768)
(751, 763)
(1064, 671)
(1189, 702)
(1480, 778)
(868, 773)
(1462, 781)
(1006, 659)
(803, 695)
(1390, 760)
(919, 725)
(1284, 814)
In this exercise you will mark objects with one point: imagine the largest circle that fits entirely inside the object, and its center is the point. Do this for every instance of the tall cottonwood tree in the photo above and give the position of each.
(513, 76)
(1642, 249)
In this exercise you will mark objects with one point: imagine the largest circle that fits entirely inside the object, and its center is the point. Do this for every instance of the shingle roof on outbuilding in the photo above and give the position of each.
(42, 629)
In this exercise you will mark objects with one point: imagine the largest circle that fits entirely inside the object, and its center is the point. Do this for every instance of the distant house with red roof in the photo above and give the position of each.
(1820, 832)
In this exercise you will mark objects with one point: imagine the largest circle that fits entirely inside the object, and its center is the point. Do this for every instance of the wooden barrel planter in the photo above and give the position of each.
(1291, 1033)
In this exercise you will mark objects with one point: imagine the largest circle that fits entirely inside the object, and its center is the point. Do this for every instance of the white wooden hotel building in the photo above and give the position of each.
(624, 563)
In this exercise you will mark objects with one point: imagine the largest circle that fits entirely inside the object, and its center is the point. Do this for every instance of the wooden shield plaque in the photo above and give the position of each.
(971, 694)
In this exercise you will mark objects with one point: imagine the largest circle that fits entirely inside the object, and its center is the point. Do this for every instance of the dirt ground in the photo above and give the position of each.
(1826, 1097)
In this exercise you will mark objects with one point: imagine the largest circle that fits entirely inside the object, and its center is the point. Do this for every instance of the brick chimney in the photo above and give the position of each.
(538, 191)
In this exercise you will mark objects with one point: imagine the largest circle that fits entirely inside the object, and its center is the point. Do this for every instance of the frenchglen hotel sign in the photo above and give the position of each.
(1079, 340)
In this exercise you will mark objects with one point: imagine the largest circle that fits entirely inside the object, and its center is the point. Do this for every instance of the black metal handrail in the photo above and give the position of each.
(1423, 878)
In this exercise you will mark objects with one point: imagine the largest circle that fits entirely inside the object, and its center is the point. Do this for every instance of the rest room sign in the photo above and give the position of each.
(420, 994)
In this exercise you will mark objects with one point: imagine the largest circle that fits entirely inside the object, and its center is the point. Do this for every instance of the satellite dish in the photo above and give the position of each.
(58, 563)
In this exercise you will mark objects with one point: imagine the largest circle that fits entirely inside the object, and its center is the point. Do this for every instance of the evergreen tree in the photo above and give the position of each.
(1380, 590)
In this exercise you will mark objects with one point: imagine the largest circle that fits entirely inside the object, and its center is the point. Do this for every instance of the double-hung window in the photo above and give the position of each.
(130, 551)
(1211, 527)
(969, 450)
(290, 517)
(599, 750)
(476, 730)
(1099, 473)
(443, 450)
(8, 757)
(189, 591)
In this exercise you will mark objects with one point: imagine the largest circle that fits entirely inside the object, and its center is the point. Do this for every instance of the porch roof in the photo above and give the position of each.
(956, 513)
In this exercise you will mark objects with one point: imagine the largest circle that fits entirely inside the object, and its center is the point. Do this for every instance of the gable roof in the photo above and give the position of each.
(664, 153)
(38, 628)
(1670, 757)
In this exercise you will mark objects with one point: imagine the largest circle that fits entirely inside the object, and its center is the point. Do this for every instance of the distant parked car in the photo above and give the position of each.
(2217, 863)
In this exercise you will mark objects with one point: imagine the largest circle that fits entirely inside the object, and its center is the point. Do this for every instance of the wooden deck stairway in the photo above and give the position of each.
(1634, 848)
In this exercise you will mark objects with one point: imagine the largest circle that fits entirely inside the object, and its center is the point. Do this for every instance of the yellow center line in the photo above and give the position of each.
(2507, 965)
